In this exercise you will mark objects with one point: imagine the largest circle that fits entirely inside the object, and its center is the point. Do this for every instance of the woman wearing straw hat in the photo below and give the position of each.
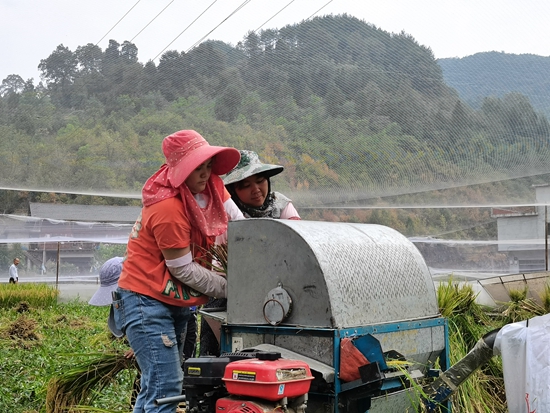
(185, 206)
(250, 187)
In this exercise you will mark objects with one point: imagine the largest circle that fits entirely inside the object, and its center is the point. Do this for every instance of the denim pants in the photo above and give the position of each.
(156, 332)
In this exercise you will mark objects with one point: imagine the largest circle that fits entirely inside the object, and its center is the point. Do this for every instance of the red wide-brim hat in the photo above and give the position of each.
(185, 150)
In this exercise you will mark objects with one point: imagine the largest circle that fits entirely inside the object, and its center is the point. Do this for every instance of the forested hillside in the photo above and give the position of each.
(354, 113)
(496, 74)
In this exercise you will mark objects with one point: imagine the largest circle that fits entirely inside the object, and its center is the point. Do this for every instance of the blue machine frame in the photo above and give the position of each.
(229, 330)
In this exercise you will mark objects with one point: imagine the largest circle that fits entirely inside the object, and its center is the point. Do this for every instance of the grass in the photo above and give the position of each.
(39, 340)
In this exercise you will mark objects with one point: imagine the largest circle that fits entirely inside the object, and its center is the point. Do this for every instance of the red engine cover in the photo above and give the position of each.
(229, 405)
(267, 379)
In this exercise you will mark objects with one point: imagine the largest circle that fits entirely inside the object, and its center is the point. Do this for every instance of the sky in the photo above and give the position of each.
(30, 30)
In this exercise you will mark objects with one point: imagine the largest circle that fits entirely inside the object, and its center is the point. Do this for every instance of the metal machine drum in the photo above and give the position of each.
(325, 275)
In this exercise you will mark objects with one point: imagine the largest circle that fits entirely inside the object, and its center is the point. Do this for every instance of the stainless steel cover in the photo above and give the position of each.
(339, 275)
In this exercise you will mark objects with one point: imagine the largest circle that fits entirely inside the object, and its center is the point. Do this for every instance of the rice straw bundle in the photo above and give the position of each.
(83, 383)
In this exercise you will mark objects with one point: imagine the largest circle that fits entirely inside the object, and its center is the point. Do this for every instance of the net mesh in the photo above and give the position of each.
(368, 124)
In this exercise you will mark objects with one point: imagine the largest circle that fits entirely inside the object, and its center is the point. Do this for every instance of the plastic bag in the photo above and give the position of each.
(350, 360)
(525, 351)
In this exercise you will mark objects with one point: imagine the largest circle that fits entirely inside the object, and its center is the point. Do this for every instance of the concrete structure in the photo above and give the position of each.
(522, 233)
(85, 213)
(70, 232)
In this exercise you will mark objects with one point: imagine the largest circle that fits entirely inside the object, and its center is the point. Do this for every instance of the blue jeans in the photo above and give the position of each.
(156, 332)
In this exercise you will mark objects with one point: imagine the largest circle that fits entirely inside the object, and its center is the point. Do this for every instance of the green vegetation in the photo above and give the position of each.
(483, 391)
(39, 341)
(496, 73)
(353, 112)
(35, 295)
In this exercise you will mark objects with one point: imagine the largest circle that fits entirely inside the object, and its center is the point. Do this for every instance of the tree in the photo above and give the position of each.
(460, 125)
(89, 58)
(204, 56)
(129, 52)
(12, 84)
(269, 39)
(334, 100)
(29, 86)
(171, 74)
(112, 53)
(60, 67)
(252, 45)
(150, 81)
(228, 104)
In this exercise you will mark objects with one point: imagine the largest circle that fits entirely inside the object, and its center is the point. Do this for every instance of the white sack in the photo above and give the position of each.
(525, 351)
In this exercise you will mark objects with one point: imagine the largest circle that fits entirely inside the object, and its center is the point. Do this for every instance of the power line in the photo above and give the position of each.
(116, 24)
(267, 21)
(184, 30)
(152, 20)
(320, 9)
(223, 21)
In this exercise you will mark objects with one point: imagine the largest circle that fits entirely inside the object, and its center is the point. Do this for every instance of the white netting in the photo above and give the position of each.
(368, 124)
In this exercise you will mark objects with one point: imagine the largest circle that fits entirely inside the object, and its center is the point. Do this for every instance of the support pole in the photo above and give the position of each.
(546, 236)
(57, 268)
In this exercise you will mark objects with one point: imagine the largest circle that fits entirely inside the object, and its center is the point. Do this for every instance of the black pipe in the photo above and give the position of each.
(442, 388)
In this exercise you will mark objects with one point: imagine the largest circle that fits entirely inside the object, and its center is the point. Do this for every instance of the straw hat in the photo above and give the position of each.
(250, 165)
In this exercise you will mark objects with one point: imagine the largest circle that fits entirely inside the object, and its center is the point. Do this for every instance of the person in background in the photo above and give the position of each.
(14, 276)
(109, 273)
(250, 187)
(185, 206)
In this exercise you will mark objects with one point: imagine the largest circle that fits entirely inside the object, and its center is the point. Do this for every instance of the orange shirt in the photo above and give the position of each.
(160, 226)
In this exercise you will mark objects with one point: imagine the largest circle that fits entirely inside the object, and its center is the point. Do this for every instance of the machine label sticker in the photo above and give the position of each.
(244, 375)
(194, 371)
(281, 389)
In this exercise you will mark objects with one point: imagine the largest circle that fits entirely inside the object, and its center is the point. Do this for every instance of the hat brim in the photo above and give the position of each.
(103, 296)
(226, 160)
(267, 170)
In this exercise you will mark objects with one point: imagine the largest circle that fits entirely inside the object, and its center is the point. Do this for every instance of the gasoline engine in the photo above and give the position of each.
(248, 383)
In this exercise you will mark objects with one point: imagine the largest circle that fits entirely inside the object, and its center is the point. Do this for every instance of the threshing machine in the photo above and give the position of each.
(297, 292)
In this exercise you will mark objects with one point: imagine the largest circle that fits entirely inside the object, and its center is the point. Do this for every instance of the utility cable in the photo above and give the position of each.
(319, 10)
(109, 31)
(152, 20)
(267, 21)
(116, 24)
(184, 30)
(223, 21)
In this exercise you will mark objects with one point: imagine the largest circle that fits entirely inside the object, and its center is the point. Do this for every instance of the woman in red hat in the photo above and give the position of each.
(185, 206)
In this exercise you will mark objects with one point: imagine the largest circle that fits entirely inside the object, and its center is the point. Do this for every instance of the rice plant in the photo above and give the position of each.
(36, 295)
(84, 383)
(468, 321)
(520, 307)
(215, 257)
(545, 298)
